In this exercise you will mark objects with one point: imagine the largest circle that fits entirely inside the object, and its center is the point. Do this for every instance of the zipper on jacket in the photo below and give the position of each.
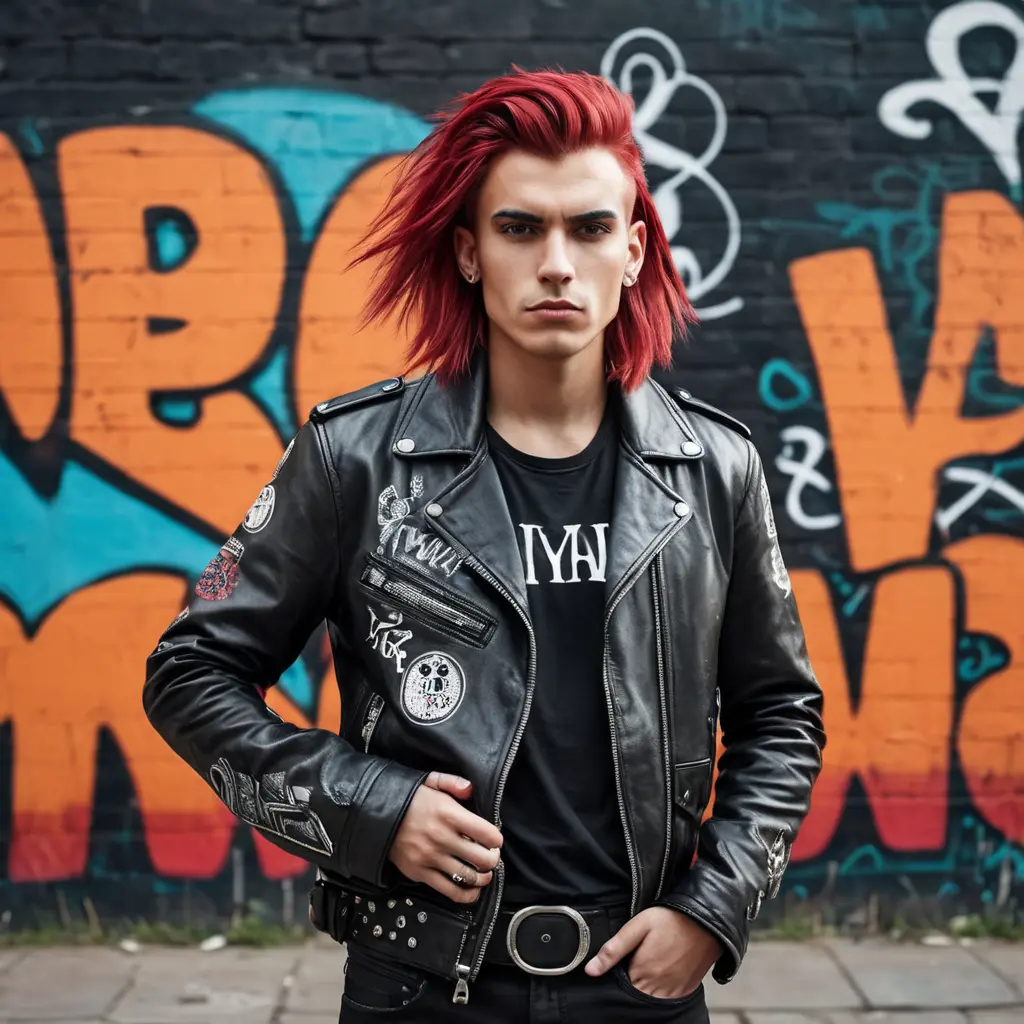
(427, 602)
(462, 986)
(624, 586)
(656, 587)
(713, 727)
(371, 718)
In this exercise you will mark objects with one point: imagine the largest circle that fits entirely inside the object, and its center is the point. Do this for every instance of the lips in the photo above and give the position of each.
(563, 304)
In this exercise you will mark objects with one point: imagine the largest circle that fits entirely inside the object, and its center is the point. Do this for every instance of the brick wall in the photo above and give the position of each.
(179, 180)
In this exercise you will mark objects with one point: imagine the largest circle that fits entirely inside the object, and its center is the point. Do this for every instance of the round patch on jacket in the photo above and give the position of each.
(220, 577)
(260, 511)
(432, 688)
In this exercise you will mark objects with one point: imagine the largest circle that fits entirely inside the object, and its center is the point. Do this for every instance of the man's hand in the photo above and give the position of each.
(671, 953)
(438, 838)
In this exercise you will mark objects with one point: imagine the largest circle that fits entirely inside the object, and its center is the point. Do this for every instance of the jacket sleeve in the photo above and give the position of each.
(255, 606)
(772, 734)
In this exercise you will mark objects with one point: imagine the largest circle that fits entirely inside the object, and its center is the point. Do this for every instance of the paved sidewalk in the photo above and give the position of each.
(823, 982)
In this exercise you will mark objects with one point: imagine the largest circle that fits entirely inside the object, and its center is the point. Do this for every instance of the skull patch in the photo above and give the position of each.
(432, 688)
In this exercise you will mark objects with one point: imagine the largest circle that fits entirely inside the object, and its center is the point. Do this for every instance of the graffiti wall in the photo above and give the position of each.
(179, 193)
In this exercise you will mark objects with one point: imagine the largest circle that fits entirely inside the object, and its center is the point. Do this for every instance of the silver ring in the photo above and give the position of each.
(458, 879)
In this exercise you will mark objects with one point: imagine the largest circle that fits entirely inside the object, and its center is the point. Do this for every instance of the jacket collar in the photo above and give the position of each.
(450, 420)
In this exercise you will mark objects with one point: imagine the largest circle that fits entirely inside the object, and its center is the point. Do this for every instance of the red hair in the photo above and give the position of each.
(548, 114)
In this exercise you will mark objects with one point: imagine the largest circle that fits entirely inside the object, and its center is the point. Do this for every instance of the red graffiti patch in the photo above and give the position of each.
(219, 579)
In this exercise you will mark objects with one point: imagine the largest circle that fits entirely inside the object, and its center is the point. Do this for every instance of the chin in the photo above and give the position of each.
(554, 344)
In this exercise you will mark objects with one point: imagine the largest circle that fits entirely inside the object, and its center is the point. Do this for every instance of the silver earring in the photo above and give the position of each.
(471, 276)
(629, 281)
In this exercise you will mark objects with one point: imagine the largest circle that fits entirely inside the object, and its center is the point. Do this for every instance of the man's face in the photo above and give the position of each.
(551, 244)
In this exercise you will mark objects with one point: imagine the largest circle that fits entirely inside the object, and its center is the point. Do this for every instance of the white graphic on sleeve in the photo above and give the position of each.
(425, 548)
(779, 574)
(388, 639)
(432, 688)
(565, 561)
(994, 124)
(260, 511)
(777, 860)
(391, 509)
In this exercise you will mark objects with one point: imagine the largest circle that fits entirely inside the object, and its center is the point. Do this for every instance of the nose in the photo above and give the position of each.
(556, 267)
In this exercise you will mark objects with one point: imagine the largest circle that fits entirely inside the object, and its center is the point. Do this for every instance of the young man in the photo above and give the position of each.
(543, 577)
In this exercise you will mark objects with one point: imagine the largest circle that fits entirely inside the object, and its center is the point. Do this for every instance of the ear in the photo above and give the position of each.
(637, 248)
(465, 254)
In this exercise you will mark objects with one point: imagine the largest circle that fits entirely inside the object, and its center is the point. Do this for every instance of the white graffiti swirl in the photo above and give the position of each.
(981, 483)
(804, 474)
(953, 88)
(667, 76)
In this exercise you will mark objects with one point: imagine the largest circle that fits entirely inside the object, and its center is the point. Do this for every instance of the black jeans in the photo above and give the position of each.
(379, 989)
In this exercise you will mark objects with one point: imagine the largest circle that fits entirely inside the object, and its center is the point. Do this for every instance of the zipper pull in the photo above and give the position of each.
(462, 985)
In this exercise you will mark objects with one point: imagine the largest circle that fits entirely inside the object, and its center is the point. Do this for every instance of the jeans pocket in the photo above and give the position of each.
(374, 983)
(622, 976)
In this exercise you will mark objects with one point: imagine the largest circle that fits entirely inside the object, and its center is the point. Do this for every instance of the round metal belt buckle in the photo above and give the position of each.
(521, 915)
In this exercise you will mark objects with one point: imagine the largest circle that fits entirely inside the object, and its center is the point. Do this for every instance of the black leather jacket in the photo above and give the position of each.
(386, 519)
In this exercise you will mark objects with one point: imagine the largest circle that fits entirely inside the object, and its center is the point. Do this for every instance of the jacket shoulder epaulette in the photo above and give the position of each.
(371, 393)
(685, 399)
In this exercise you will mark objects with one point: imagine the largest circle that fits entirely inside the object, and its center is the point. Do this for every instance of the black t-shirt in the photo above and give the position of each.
(562, 829)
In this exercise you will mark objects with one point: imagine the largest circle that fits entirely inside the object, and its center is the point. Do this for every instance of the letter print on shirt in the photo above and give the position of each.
(432, 688)
(388, 639)
(562, 564)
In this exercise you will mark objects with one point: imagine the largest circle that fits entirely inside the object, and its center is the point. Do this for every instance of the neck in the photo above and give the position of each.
(546, 407)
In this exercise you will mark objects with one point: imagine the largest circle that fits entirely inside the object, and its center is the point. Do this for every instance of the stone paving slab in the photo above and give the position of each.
(996, 1016)
(920, 977)
(862, 1017)
(793, 975)
(58, 984)
(231, 984)
(9, 957)
(318, 982)
(725, 1018)
(1006, 958)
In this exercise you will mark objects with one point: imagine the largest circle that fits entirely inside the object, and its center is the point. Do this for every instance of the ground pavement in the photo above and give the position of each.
(819, 982)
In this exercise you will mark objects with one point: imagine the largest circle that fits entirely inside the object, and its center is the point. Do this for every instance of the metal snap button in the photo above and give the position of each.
(682, 509)
(405, 444)
(692, 448)
(434, 510)
(545, 937)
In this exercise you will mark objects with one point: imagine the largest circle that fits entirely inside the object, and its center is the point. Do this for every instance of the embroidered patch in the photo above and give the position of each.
(180, 617)
(391, 509)
(260, 511)
(426, 549)
(271, 806)
(769, 516)
(284, 458)
(432, 688)
(777, 861)
(388, 639)
(780, 574)
(219, 579)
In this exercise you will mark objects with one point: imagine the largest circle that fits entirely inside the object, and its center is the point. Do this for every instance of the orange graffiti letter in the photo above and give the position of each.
(888, 458)
(30, 325)
(147, 323)
(57, 711)
(991, 737)
(897, 738)
(332, 355)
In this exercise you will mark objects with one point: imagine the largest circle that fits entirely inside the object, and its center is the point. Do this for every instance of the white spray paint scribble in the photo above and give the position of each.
(805, 474)
(981, 483)
(667, 76)
(953, 88)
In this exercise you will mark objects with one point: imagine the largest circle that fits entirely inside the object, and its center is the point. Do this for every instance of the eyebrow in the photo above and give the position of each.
(532, 218)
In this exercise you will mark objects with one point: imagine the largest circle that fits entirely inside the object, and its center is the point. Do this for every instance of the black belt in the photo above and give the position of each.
(545, 940)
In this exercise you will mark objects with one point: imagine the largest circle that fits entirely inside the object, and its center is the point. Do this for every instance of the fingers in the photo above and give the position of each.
(477, 856)
(475, 828)
(457, 786)
(443, 884)
(623, 942)
(471, 878)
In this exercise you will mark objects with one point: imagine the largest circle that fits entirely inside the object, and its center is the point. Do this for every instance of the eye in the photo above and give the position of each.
(594, 229)
(518, 230)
